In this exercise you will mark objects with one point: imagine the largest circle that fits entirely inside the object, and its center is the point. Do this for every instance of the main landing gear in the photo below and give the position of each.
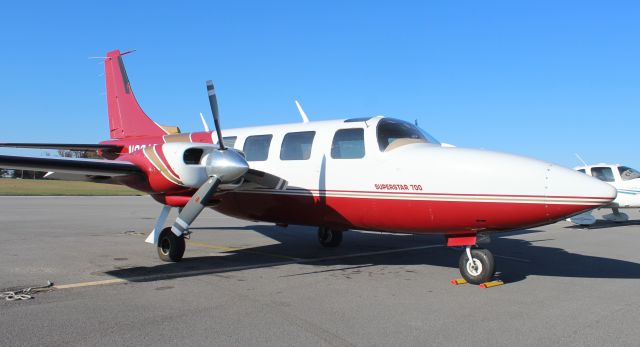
(170, 247)
(477, 265)
(329, 237)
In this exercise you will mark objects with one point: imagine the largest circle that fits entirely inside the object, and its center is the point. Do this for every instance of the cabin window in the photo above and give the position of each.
(628, 173)
(297, 146)
(256, 148)
(603, 173)
(348, 144)
(583, 171)
(229, 141)
(391, 130)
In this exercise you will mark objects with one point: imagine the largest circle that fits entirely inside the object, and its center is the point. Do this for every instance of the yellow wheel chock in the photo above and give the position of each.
(482, 285)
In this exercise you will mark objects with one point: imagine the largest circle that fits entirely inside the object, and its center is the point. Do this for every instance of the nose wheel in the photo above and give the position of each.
(477, 265)
(170, 247)
(329, 237)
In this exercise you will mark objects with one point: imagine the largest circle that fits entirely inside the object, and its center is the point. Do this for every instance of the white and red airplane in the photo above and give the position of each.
(626, 180)
(373, 173)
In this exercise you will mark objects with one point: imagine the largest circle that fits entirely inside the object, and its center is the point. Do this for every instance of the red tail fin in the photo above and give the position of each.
(126, 118)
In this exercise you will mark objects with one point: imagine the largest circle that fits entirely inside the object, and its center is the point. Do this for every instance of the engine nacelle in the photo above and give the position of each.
(188, 161)
(180, 166)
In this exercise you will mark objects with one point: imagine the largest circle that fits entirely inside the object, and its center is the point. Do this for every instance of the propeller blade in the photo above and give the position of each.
(195, 205)
(266, 180)
(213, 102)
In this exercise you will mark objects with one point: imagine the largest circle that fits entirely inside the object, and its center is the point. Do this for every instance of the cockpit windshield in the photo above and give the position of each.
(398, 132)
(628, 173)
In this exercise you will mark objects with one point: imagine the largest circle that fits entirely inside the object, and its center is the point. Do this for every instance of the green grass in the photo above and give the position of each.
(51, 188)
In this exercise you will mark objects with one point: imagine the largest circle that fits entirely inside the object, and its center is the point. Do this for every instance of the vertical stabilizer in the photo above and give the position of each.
(126, 118)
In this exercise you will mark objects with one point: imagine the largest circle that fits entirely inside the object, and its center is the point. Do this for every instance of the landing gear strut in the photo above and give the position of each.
(329, 237)
(477, 265)
(170, 246)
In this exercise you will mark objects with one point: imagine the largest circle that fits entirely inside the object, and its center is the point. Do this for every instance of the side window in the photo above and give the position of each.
(582, 170)
(628, 173)
(297, 146)
(348, 144)
(230, 141)
(603, 173)
(256, 148)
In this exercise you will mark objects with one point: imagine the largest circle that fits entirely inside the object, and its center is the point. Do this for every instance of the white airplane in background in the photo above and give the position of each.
(626, 181)
(371, 173)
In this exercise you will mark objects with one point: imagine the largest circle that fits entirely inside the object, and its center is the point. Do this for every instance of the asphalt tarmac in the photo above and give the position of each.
(244, 283)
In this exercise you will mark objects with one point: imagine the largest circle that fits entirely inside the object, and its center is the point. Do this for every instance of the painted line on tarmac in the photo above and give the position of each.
(89, 284)
(165, 276)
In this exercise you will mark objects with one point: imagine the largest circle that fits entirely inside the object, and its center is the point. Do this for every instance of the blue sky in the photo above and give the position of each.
(544, 79)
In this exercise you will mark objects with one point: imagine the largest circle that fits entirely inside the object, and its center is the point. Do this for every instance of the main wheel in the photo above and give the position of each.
(329, 237)
(170, 247)
(482, 267)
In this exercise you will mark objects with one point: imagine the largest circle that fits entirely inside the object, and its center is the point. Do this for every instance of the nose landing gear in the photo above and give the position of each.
(477, 265)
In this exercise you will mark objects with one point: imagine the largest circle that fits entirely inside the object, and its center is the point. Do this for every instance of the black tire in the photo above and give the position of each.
(170, 247)
(477, 274)
(329, 237)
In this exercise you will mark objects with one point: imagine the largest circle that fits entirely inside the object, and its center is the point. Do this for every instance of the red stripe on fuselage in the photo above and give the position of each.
(201, 137)
(447, 194)
(411, 216)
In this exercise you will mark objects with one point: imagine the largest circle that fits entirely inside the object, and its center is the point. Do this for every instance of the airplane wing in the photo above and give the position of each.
(264, 180)
(98, 170)
(74, 166)
(67, 146)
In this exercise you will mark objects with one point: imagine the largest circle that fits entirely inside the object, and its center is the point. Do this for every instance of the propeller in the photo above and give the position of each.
(213, 102)
(224, 165)
(195, 205)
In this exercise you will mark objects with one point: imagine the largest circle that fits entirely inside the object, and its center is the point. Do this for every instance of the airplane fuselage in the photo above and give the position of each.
(367, 182)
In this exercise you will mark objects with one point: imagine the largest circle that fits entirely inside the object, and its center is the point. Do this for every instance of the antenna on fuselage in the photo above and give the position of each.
(204, 122)
(305, 119)
(580, 158)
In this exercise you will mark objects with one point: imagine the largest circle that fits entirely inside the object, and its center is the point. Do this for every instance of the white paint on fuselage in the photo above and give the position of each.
(431, 167)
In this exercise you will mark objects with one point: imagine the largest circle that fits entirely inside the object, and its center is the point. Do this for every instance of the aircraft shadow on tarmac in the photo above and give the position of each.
(601, 224)
(516, 259)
